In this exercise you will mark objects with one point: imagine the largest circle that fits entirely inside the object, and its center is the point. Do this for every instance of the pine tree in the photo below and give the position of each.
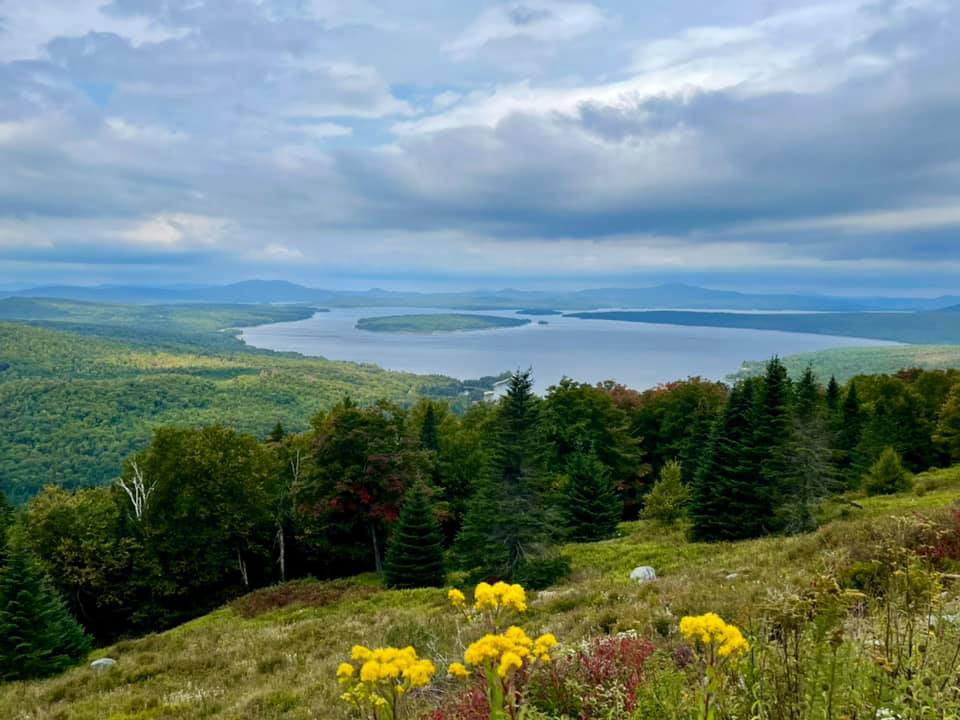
(429, 432)
(887, 475)
(38, 636)
(277, 434)
(833, 394)
(849, 432)
(506, 520)
(808, 477)
(769, 451)
(724, 503)
(592, 505)
(669, 499)
(415, 551)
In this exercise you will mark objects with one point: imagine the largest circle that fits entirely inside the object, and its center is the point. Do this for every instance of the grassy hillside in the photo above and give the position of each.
(921, 328)
(73, 406)
(441, 322)
(273, 654)
(844, 363)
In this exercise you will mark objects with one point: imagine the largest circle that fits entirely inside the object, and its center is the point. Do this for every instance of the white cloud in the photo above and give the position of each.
(534, 20)
(276, 252)
(176, 230)
(125, 131)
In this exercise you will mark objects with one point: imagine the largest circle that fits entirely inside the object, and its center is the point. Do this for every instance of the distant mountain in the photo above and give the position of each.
(671, 296)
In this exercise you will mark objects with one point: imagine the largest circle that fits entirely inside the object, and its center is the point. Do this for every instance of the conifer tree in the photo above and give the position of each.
(887, 475)
(668, 500)
(415, 551)
(593, 507)
(506, 520)
(850, 430)
(277, 434)
(429, 432)
(833, 394)
(769, 448)
(724, 503)
(38, 636)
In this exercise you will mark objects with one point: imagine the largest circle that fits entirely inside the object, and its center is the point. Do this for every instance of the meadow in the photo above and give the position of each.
(274, 653)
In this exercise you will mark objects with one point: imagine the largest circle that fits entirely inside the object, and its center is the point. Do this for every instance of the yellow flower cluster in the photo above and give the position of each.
(507, 652)
(377, 677)
(457, 598)
(500, 595)
(710, 629)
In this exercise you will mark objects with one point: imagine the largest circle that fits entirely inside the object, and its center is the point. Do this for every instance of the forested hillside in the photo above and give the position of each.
(73, 406)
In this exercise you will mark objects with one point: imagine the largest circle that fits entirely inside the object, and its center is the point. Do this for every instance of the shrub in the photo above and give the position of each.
(887, 475)
(543, 571)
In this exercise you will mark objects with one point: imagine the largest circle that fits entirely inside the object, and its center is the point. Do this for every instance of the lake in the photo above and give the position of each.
(636, 354)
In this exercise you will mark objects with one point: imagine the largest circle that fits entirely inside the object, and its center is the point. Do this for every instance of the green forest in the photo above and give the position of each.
(83, 385)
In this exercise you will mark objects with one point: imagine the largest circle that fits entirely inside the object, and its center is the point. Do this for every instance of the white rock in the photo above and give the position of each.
(643, 574)
(102, 664)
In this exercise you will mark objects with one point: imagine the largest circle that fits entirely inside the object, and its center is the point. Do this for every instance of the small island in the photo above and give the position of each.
(436, 323)
(539, 311)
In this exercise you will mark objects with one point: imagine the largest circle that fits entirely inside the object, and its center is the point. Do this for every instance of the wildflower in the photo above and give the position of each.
(508, 662)
(458, 670)
(500, 595)
(710, 629)
(361, 653)
(344, 671)
(543, 645)
(457, 598)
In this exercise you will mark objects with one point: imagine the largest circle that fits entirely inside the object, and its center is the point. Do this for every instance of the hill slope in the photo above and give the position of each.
(273, 654)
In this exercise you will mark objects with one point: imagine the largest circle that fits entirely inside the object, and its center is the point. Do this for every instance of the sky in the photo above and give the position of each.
(755, 144)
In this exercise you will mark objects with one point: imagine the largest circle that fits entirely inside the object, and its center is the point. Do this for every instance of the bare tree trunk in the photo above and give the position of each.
(376, 550)
(243, 570)
(281, 539)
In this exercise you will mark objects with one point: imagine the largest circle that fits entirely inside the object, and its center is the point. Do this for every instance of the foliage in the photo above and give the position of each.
(415, 551)
(887, 475)
(668, 502)
(592, 507)
(38, 637)
(505, 521)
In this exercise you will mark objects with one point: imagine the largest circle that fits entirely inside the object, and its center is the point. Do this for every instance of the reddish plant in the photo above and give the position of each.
(947, 546)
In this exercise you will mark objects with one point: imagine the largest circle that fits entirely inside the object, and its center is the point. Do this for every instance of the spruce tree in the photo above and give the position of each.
(833, 394)
(724, 502)
(6, 521)
(669, 499)
(415, 551)
(592, 505)
(429, 432)
(849, 432)
(887, 475)
(277, 434)
(38, 636)
(769, 449)
(506, 519)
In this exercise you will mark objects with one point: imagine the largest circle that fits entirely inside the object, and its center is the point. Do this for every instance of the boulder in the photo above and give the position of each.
(643, 574)
(102, 664)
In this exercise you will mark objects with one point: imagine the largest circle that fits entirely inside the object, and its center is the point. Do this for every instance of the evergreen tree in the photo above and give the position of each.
(277, 434)
(38, 636)
(887, 475)
(849, 432)
(6, 521)
(769, 453)
(808, 476)
(724, 502)
(668, 500)
(429, 432)
(415, 551)
(948, 425)
(506, 520)
(833, 394)
(592, 505)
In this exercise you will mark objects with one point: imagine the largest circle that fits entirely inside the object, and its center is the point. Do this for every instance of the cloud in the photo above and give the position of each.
(543, 21)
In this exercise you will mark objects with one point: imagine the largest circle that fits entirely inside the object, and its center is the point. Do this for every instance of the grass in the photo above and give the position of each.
(441, 322)
(272, 654)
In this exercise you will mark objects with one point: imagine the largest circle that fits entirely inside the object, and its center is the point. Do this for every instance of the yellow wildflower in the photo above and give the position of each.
(710, 629)
(344, 671)
(544, 644)
(457, 670)
(361, 653)
(510, 661)
(457, 598)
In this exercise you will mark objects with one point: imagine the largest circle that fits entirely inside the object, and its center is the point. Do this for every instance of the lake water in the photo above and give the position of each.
(636, 354)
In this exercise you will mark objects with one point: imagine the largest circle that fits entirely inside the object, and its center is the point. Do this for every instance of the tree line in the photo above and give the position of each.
(202, 515)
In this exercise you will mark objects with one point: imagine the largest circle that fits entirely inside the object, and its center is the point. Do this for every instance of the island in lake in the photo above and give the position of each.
(539, 311)
(436, 323)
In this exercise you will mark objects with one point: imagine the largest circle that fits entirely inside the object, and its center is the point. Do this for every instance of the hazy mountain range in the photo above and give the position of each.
(662, 297)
